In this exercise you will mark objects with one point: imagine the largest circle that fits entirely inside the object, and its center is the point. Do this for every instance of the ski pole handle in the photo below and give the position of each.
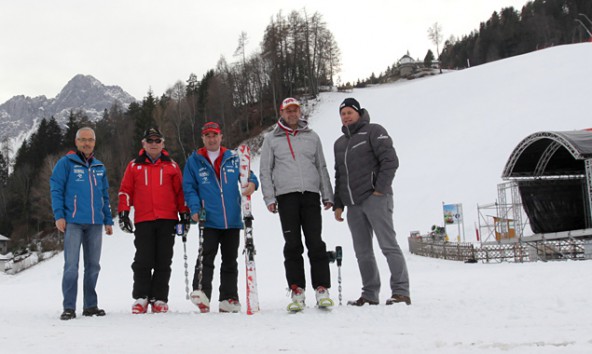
(202, 215)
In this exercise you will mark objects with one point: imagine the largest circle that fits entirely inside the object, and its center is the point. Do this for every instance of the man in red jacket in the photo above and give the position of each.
(152, 184)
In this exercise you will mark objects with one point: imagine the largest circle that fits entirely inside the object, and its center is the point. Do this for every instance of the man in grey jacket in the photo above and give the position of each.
(365, 166)
(292, 173)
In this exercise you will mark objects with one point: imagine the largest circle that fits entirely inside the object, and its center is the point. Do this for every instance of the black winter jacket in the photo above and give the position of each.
(365, 161)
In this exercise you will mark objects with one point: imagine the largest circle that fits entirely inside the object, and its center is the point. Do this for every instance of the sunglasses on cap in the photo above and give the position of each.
(157, 141)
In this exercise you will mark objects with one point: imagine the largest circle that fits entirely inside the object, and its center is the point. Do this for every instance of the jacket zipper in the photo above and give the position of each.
(351, 196)
(219, 181)
(92, 195)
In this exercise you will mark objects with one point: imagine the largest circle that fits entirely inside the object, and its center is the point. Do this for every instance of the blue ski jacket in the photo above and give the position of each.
(80, 191)
(220, 195)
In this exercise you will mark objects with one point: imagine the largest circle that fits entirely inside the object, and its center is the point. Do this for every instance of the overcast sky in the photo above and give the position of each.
(150, 44)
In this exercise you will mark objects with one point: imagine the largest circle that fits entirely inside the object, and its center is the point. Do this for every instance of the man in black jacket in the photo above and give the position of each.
(365, 166)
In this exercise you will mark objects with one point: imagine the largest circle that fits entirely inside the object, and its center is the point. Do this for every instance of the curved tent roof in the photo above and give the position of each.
(550, 154)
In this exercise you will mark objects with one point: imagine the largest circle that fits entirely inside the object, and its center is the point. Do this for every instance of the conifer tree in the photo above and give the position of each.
(429, 58)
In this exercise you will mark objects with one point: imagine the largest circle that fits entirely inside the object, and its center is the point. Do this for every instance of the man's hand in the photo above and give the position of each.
(61, 224)
(328, 205)
(109, 229)
(250, 189)
(338, 213)
(199, 217)
(272, 208)
(125, 224)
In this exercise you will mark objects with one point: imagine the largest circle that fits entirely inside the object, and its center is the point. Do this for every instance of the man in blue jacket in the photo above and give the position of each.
(211, 181)
(80, 203)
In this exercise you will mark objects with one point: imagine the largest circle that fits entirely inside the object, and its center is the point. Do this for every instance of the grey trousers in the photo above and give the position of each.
(375, 215)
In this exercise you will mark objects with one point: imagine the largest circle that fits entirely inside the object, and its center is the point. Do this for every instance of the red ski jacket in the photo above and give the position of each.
(153, 189)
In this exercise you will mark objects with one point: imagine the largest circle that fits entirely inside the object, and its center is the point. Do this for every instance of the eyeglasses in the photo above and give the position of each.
(85, 140)
(157, 141)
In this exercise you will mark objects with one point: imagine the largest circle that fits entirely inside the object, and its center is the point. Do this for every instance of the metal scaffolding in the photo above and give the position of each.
(510, 211)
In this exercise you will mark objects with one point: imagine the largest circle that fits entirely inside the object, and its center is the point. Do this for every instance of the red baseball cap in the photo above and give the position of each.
(211, 127)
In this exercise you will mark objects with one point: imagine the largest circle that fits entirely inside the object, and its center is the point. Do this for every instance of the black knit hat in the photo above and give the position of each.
(350, 102)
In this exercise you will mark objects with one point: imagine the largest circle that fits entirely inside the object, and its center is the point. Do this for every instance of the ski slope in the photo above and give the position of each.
(453, 134)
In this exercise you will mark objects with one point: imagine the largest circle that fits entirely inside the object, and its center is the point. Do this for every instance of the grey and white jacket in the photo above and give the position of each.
(293, 161)
(365, 162)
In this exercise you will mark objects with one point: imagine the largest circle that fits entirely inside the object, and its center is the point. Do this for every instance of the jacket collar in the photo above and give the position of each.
(79, 157)
(283, 127)
(204, 152)
(143, 157)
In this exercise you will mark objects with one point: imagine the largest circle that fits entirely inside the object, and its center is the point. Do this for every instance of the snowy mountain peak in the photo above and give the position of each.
(19, 115)
(87, 93)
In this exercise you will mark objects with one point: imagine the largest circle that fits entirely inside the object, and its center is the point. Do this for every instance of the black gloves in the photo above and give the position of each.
(186, 222)
(185, 218)
(125, 224)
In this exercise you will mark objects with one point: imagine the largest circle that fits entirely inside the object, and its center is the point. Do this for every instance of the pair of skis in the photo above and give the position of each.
(244, 153)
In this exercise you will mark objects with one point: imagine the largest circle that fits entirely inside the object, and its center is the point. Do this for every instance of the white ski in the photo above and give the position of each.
(244, 153)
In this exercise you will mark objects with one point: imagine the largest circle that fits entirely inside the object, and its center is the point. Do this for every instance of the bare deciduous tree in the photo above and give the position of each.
(436, 36)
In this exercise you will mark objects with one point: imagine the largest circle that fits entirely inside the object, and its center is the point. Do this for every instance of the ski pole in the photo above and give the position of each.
(181, 230)
(338, 258)
(186, 267)
(202, 221)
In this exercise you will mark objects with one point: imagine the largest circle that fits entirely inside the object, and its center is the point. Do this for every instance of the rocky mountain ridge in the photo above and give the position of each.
(20, 115)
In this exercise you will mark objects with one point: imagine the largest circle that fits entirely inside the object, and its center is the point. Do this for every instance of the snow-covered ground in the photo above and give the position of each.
(453, 135)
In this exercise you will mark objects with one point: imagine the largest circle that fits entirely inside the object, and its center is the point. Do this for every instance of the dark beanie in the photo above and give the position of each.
(350, 102)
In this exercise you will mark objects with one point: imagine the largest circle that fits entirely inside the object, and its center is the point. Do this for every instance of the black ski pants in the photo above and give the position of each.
(302, 212)
(229, 240)
(154, 241)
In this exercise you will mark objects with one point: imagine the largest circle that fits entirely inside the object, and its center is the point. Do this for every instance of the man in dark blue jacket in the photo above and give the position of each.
(80, 203)
(211, 181)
